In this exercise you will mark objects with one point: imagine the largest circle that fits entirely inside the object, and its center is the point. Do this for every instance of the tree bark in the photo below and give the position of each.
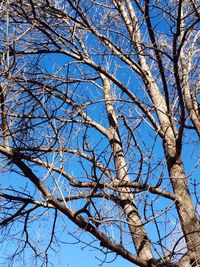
(187, 215)
(137, 230)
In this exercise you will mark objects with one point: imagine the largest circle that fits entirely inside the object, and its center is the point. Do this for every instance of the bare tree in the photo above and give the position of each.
(100, 125)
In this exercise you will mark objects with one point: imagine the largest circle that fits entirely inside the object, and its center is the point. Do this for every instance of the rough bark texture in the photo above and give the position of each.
(187, 215)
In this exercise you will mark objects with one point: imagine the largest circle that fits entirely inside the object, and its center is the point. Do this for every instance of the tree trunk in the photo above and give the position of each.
(137, 230)
(188, 218)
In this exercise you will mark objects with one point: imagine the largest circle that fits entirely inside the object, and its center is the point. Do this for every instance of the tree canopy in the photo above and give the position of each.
(100, 126)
